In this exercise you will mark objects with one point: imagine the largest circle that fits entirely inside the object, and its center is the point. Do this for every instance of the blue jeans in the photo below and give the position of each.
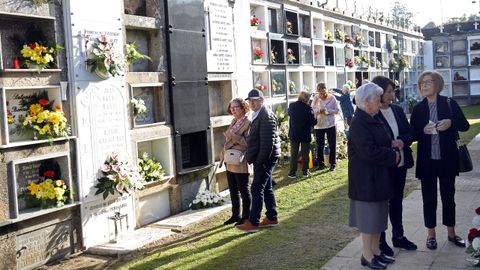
(262, 191)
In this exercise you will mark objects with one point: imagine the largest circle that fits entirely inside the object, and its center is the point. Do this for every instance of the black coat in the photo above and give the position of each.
(448, 147)
(370, 159)
(405, 133)
(300, 120)
(263, 141)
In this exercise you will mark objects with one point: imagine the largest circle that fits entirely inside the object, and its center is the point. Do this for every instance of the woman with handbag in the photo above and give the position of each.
(233, 156)
(436, 121)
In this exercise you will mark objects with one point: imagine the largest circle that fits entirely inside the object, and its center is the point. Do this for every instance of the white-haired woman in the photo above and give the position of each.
(371, 156)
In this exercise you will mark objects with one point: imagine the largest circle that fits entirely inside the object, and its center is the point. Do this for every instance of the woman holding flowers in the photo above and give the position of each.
(436, 121)
(237, 174)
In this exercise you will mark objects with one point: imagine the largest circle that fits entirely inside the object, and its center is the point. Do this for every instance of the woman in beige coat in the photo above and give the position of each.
(237, 174)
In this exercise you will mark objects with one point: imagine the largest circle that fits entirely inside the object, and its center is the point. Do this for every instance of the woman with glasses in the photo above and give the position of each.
(435, 120)
(402, 136)
(237, 174)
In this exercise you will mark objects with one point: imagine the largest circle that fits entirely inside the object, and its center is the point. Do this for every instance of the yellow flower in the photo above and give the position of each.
(33, 188)
(54, 117)
(35, 109)
(59, 183)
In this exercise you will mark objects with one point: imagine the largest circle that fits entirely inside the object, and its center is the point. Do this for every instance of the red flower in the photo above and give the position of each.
(32, 45)
(49, 174)
(472, 234)
(43, 102)
(477, 211)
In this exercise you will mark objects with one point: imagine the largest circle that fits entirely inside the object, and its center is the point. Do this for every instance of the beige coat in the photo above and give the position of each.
(239, 142)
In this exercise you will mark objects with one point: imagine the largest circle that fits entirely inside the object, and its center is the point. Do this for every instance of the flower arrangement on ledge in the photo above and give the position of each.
(473, 247)
(133, 55)
(257, 53)
(117, 175)
(339, 35)
(291, 87)
(328, 35)
(46, 193)
(358, 40)
(44, 120)
(206, 199)
(475, 46)
(139, 107)
(475, 61)
(149, 169)
(255, 21)
(348, 62)
(261, 87)
(290, 56)
(289, 27)
(104, 61)
(365, 61)
(36, 55)
(348, 39)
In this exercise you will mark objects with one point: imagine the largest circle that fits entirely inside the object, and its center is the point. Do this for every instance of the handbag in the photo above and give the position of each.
(233, 156)
(464, 160)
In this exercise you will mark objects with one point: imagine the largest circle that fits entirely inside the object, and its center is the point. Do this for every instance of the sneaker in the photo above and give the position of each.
(403, 243)
(386, 249)
(247, 226)
(307, 174)
(332, 168)
(292, 175)
(266, 222)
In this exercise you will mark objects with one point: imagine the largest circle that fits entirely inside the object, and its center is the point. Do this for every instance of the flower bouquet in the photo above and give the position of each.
(290, 56)
(117, 174)
(261, 87)
(103, 60)
(403, 62)
(291, 87)
(46, 193)
(391, 44)
(39, 56)
(348, 39)
(393, 64)
(44, 120)
(257, 53)
(328, 35)
(339, 35)
(358, 40)
(289, 27)
(139, 107)
(206, 199)
(149, 169)
(273, 56)
(133, 55)
(473, 247)
(254, 21)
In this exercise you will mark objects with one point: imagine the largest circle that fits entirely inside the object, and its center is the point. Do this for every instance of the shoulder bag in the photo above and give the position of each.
(465, 161)
(233, 156)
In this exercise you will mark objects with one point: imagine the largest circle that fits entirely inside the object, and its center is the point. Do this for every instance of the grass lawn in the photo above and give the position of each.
(313, 213)
(313, 227)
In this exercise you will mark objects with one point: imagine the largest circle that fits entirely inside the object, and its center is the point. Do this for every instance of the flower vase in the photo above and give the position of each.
(102, 74)
(254, 27)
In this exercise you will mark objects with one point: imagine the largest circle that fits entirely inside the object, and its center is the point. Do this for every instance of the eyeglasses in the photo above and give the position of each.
(427, 82)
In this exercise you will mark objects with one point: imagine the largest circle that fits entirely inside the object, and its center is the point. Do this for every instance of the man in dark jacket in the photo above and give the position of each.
(263, 150)
(300, 120)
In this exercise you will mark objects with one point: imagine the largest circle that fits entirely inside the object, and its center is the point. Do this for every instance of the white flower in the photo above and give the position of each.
(476, 221)
(476, 243)
(215, 200)
(195, 201)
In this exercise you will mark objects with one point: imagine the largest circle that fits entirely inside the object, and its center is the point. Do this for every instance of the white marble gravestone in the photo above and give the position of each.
(101, 118)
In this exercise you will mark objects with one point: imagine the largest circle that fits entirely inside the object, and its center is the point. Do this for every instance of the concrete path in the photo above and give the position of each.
(447, 256)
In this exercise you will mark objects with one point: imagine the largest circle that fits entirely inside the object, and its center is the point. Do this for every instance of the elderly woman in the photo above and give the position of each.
(325, 107)
(300, 121)
(237, 174)
(436, 120)
(371, 158)
(402, 133)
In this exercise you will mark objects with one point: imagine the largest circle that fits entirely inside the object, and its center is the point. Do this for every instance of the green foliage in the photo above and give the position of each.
(133, 54)
(149, 169)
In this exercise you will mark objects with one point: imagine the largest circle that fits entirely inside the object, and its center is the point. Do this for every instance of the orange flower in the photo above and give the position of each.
(57, 108)
(43, 102)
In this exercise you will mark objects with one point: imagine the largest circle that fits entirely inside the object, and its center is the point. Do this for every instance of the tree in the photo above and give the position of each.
(401, 15)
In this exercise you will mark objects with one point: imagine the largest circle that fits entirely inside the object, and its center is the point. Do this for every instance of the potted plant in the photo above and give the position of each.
(103, 60)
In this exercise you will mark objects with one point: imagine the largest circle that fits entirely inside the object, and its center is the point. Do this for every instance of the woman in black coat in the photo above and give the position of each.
(435, 128)
(370, 159)
(402, 133)
(300, 120)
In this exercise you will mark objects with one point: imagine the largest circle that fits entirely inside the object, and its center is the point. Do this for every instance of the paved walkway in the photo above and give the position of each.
(447, 256)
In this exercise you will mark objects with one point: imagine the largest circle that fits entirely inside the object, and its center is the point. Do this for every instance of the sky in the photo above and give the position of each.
(424, 10)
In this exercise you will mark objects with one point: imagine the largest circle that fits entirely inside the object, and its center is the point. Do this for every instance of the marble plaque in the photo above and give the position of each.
(154, 207)
(220, 56)
(43, 245)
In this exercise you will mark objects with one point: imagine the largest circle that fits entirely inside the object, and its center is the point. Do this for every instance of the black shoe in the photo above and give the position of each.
(320, 167)
(292, 175)
(332, 168)
(431, 243)
(457, 240)
(240, 222)
(374, 264)
(231, 220)
(307, 174)
(403, 243)
(386, 249)
(384, 258)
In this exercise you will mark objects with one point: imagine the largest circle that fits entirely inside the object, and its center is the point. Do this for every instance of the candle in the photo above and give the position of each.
(16, 63)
